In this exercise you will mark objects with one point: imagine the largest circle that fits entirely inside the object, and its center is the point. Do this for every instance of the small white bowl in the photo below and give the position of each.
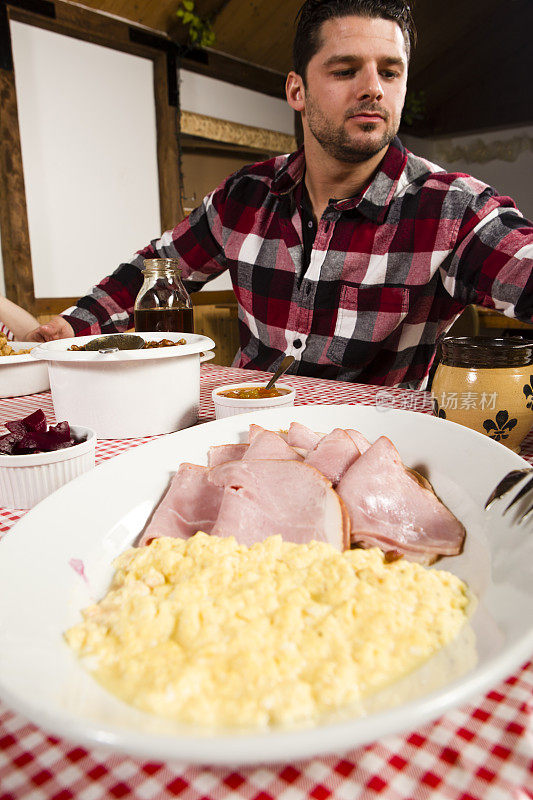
(26, 480)
(228, 406)
(21, 374)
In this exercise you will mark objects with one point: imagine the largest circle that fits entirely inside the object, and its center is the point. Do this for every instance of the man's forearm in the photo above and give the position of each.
(108, 307)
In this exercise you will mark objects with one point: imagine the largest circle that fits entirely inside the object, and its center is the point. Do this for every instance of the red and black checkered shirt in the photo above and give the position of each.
(388, 273)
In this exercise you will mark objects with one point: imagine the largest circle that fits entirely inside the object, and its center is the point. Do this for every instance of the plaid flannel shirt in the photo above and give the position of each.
(389, 272)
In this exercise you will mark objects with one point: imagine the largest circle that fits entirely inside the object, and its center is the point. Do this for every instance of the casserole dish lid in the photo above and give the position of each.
(58, 350)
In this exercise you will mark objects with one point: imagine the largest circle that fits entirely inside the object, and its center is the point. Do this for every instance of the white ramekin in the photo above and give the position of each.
(228, 406)
(26, 480)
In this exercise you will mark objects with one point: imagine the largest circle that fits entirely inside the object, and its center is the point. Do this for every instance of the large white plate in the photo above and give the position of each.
(98, 515)
(20, 375)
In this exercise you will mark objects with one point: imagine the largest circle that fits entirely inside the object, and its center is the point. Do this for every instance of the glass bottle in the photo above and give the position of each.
(486, 384)
(163, 303)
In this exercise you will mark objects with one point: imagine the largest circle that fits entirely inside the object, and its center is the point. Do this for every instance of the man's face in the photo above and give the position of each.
(354, 92)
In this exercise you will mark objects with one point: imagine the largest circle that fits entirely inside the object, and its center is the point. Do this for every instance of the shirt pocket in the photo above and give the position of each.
(369, 314)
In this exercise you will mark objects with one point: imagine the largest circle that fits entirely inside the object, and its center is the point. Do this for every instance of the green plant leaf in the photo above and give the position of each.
(200, 30)
(208, 38)
(414, 108)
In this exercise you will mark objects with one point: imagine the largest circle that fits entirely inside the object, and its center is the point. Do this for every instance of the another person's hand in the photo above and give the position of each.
(56, 328)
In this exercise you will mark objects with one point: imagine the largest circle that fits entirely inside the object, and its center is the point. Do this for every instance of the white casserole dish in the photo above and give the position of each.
(21, 374)
(129, 393)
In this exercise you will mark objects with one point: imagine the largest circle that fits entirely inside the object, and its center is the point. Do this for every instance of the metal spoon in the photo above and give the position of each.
(283, 367)
(115, 342)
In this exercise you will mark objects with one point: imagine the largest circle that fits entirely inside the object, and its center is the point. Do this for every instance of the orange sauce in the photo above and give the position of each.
(253, 393)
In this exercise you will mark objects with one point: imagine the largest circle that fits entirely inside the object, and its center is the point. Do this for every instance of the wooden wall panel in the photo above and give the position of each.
(219, 321)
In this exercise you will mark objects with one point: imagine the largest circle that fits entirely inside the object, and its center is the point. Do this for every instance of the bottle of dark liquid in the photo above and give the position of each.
(163, 303)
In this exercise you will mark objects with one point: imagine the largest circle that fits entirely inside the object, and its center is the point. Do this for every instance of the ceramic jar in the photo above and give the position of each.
(487, 384)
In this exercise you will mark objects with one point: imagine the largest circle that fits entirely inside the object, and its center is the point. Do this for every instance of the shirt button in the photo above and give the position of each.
(297, 343)
(309, 224)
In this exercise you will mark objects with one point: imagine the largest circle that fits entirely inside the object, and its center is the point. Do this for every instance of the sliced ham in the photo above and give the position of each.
(220, 453)
(254, 430)
(391, 509)
(267, 444)
(359, 440)
(190, 504)
(333, 454)
(301, 436)
(266, 497)
(253, 491)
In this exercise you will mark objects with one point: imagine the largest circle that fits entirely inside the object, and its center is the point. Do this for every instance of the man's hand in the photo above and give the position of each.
(56, 328)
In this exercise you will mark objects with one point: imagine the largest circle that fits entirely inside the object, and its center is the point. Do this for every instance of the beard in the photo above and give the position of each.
(336, 141)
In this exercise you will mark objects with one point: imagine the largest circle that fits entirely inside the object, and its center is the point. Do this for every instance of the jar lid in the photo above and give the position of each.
(485, 351)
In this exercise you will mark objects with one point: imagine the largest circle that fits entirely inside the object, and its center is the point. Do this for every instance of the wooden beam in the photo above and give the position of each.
(55, 305)
(167, 145)
(80, 23)
(16, 256)
(237, 72)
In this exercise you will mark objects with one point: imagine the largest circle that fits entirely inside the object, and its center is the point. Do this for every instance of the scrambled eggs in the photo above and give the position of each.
(211, 632)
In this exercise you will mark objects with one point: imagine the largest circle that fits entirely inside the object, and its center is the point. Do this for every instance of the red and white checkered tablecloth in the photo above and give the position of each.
(482, 751)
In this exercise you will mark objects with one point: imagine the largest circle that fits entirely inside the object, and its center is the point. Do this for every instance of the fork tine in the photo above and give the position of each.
(506, 484)
(523, 491)
(526, 514)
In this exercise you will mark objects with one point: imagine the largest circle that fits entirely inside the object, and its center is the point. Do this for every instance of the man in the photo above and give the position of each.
(351, 254)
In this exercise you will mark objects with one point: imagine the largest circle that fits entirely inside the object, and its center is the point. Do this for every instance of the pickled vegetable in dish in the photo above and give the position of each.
(33, 435)
(253, 392)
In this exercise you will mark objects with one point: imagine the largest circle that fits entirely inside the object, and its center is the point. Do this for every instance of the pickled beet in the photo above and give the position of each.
(32, 435)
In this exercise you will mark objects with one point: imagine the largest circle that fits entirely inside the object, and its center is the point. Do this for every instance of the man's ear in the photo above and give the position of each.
(295, 90)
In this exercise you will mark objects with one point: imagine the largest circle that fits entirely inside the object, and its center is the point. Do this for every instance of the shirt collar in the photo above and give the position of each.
(373, 202)
(290, 174)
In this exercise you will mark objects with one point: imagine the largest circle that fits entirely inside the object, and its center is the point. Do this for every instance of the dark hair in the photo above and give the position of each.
(314, 13)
